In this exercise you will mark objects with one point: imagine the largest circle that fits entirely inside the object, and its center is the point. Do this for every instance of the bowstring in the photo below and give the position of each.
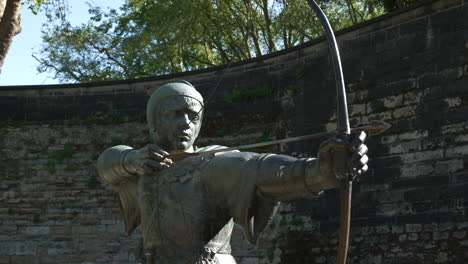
(212, 93)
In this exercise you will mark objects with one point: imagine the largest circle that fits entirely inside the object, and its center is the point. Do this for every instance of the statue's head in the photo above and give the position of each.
(174, 114)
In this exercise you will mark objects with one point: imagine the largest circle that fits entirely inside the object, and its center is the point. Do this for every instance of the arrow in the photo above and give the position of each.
(374, 128)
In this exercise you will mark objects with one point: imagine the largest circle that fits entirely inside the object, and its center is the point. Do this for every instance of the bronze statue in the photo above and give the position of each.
(186, 209)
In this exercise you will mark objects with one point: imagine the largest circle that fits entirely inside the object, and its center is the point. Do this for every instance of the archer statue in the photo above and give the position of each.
(187, 208)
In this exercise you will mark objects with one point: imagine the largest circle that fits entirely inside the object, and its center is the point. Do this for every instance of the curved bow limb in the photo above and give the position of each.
(343, 129)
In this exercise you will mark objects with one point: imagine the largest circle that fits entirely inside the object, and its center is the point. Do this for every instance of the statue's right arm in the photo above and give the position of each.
(113, 168)
(112, 165)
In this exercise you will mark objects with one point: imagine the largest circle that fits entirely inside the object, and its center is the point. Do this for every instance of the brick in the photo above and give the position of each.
(461, 139)
(455, 115)
(387, 139)
(397, 229)
(390, 196)
(425, 236)
(454, 128)
(400, 126)
(393, 209)
(420, 156)
(420, 182)
(457, 234)
(382, 90)
(424, 193)
(320, 259)
(462, 225)
(412, 98)
(413, 237)
(60, 230)
(393, 101)
(383, 176)
(457, 87)
(405, 147)
(387, 161)
(23, 259)
(357, 109)
(8, 229)
(417, 134)
(431, 227)
(37, 230)
(404, 112)
(440, 235)
(452, 73)
(382, 229)
(446, 226)
(412, 228)
(402, 238)
(441, 257)
(387, 115)
(457, 151)
(449, 166)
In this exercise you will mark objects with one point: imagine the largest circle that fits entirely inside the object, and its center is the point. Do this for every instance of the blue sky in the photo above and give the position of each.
(20, 67)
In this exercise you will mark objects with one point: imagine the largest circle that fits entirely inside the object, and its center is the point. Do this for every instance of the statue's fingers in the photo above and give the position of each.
(159, 158)
(362, 149)
(156, 166)
(155, 156)
(359, 152)
(359, 164)
(356, 140)
(364, 169)
(168, 161)
(357, 171)
(158, 149)
(363, 160)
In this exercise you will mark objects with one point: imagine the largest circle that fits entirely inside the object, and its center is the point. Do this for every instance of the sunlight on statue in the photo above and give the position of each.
(187, 209)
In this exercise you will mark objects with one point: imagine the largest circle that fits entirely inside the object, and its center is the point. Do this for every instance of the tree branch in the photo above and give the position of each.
(10, 25)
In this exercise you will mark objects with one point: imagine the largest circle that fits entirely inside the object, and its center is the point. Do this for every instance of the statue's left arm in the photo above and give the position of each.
(282, 177)
(249, 184)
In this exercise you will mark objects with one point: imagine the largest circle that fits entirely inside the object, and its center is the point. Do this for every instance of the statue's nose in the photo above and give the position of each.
(184, 121)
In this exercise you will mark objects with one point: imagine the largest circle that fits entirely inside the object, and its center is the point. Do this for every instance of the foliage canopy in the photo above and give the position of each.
(148, 37)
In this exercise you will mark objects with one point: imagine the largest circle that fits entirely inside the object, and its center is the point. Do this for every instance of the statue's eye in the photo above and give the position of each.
(194, 117)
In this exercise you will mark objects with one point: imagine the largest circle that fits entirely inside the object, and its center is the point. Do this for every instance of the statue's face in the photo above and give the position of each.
(178, 123)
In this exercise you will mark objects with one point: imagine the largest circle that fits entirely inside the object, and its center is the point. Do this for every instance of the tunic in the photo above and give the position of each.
(187, 212)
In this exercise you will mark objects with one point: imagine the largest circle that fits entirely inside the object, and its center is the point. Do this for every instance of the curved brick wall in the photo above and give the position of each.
(408, 68)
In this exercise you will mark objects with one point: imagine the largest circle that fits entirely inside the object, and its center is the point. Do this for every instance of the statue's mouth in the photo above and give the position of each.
(183, 137)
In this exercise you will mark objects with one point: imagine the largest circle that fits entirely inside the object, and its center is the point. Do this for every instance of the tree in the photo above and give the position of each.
(148, 37)
(10, 19)
(10, 25)
(390, 5)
